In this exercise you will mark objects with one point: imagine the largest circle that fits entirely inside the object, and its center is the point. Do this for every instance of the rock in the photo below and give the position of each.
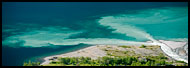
(182, 53)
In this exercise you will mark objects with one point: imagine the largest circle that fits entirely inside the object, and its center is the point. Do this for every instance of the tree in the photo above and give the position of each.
(31, 63)
(108, 61)
(152, 64)
(133, 64)
(25, 64)
(87, 60)
(111, 61)
(162, 62)
(138, 64)
(129, 61)
(65, 60)
(148, 63)
(125, 60)
(142, 61)
(105, 60)
(142, 46)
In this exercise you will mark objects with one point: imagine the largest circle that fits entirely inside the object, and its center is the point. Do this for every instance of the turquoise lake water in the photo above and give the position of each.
(33, 30)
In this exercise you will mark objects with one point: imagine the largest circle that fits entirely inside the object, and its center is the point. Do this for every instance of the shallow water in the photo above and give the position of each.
(36, 29)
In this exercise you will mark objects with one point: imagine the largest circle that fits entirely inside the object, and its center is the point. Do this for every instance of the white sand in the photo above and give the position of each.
(173, 44)
(94, 52)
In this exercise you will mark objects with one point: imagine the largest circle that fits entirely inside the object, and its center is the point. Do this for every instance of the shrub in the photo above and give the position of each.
(125, 46)
(142, 46)
(180, 61)
(29, 63)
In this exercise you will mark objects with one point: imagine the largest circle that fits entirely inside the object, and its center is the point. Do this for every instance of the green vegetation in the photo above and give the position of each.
(118, 53)
(29, 63)
(105, 49)
(111, 61)
(154, 48)
(115, 57)
(125, 46)
(180, 61)
(142, 46)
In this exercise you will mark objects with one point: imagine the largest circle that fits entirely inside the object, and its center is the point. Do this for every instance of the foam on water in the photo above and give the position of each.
(38, 38)
(170, 53)
(56, 36)
(125, 23)
(122, 23)
(123, 27)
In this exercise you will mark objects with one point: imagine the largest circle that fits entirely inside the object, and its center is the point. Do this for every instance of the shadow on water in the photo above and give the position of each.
(17, 56)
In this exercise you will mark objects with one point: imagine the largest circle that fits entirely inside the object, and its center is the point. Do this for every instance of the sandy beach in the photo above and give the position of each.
(98, 51)
(93, 51)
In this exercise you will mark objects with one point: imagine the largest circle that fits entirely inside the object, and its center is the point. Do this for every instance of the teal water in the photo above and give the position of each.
(167, 23)
(35, 30)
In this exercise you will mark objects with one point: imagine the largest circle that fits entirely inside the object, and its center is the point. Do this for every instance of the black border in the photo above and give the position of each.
(85, 1)
(94, 0)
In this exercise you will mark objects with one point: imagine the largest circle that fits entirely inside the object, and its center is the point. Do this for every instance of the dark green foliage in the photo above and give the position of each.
(125, 46)
(180, 61)
(53, 62)
(161, 56)
(117, 61)
(31, 63)
(65, 60)
(148, 63)
(105, 50)
(110, 61)
(142, 46)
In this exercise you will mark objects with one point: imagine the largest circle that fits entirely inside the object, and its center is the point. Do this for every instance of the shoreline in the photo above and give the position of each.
(170, 47)
(41, 58)
(93, 50)
(46, 59)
